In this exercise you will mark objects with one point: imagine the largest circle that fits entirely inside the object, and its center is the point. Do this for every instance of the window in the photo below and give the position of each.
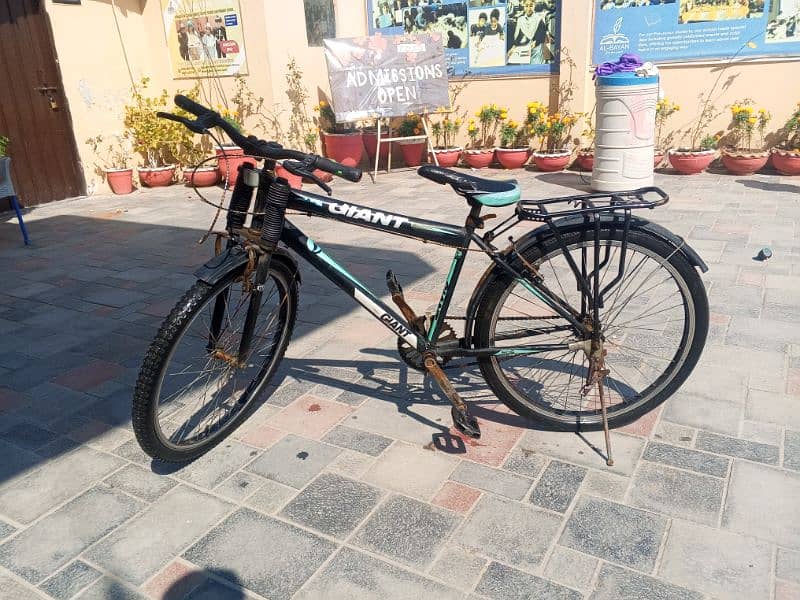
(320, 21)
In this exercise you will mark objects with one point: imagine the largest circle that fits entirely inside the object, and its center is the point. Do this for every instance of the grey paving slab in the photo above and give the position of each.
(737, 448)
(293, 460)
(492, 480)
(270, 497)
(268, 556)
(718, 563)
(214, 590)
(616, 583)
(357, 576)
(507, 583)
(107, 588)
(704, 413)
(677, 493)
(788, 566)
(28, 496)
(6, 530)
(557, 486)
(332, 504)
(586, 449)
(458, 567)
(761, 502)
(355, 439)
(675, 456)
(573, 569)
(605, 485)
(239, 486)
(525, 461)
(773, 408)
(57, 538)
(614, 532)
(398, 469)
(70, 580)
(139, 482)
(11, 589)
(407, 530)
(670, 433)
(28, 435)
(15, 461)
(508, 531)
(791, 450)
(220, 463)
(142, 546)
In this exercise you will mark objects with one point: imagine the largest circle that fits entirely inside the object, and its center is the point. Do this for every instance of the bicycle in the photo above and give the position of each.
(590, 320)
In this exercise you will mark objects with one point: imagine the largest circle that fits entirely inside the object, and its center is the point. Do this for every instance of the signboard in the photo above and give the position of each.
(204, 38)
(481, 37)
(679, 30)
(386, 75)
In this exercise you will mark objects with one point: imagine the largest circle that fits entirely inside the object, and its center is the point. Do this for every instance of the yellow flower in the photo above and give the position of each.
(478, 113)
(752, 120)
(676, 107)
(416, 131)
(532, 110)
(316, 109)
(322, 104)
(458, 122)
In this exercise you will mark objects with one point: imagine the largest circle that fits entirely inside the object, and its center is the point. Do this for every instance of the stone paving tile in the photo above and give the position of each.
(384, 418)
(788, 565)
(211, 469)
(491, 480)
(571, 568)
(139, 482)
(614, 532)
(309, 416)
(268, 556)
(762, 502)
(456, 497)
(28, 435)
(765, 433)
(270, 497)
(605, 485)
(505, 583)
(773, 408)
(458, 567)
(60, 536)
(293, 460)
(356, 576)
(332, 504)
(677, 493)
(174, 582)
(525, 461)
(141, 547)
(718, 563)
(754, 451)
(355, 439)
(785, 590)
(14, 590)
(6, 529)
(398, 469)
(70, 580)
(557, 486)
(616, 583)
(210, 589)
(407, 530)
(684, 458)
(704, 413)
(239, 486)
(107, 588)
(28, 496)
(575, 449)
(508, 531)
(351, 464)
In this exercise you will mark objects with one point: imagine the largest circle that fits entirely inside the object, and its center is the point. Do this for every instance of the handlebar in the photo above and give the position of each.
(207, 118)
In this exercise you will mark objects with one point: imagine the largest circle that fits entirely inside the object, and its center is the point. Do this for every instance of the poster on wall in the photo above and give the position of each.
(480, 37)
(386, 76)
(681, 30)
(204, 38)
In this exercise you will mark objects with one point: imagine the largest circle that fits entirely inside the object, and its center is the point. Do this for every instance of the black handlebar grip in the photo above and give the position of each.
(190, 105)
(350, 173)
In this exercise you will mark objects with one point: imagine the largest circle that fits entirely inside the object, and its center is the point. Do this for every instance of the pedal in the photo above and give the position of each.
(392, 283)
(397, 297)
(465, 423)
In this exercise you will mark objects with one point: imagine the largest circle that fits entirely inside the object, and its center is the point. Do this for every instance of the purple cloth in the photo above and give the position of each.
(626, 62)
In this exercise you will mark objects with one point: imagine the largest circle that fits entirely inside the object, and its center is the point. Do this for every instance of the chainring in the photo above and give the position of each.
(412, 357)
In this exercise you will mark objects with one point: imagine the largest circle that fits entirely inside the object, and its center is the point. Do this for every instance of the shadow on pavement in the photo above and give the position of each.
(769, 186)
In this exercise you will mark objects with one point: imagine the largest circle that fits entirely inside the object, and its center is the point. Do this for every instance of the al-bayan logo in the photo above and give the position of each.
(613, 43)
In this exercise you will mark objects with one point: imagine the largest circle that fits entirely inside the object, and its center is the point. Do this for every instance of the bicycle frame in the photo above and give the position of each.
(426, 231)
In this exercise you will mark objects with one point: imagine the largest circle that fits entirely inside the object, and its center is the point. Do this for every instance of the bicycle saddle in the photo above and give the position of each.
(489, 192)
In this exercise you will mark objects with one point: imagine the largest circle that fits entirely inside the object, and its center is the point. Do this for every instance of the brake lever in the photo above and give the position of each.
(304, 169)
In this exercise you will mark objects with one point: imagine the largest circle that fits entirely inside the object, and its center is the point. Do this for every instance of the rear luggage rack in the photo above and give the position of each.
(591, 204)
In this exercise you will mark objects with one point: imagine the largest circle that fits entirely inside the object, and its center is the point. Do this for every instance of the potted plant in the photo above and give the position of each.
(739, 157)
(444, 132)
(343, 141)
(113, 159)
(412, 150)
(585, 156)
(157, 140)
(786, 156)
(702, 148)
(4, 141)
(665, 108)
(513, 152)
(197, 171)
(554, 132)
(480, 153)
(230, 156)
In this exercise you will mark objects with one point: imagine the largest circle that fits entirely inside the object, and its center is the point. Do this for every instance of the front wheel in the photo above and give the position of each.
(653, 324)
(193, 388)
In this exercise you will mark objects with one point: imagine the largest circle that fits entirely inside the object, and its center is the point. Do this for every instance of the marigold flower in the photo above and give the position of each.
(322, 104)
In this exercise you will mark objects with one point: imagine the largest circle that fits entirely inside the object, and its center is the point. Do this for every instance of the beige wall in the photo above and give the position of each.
(97, 82)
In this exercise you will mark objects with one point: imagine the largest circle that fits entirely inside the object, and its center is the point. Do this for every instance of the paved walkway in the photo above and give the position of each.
(371, 496)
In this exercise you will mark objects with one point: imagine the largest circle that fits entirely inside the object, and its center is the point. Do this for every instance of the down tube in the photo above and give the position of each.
(314, 255)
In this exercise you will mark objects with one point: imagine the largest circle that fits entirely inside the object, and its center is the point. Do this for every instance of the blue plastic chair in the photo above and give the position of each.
(7, 190)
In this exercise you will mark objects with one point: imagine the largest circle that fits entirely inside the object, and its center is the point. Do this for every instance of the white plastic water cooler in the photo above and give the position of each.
(625, 130)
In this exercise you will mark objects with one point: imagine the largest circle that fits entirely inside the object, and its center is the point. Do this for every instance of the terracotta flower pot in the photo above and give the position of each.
(691, 162)
(552, 161)
(157, 177)
(786, 162)
(744, 163)
(229, 159)
(585, 160)
(120, 180)
(202, 177)
(658, 157)
(479, 159)
(345, 148)
(371, 145)
(447, 157)
(295, 181)
(512, 158)
(412, 152)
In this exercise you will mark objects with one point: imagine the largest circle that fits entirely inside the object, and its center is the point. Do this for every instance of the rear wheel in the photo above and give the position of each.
(654, 324)
(192, 390)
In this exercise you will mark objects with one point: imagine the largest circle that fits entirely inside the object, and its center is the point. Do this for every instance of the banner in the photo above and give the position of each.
(679, 30)
(481, 37)
(204, 38)
(386, 76)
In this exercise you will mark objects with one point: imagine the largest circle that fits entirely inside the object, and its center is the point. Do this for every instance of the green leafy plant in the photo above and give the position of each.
(790, 132)
(301, 134)
(444, 132)
(4, 142)
(482, 133)
(513, 134)
(248, 108)
(326, 120)
(709, 142)
(112, 153)
(746, 119)
(410, 125)
(665, 108)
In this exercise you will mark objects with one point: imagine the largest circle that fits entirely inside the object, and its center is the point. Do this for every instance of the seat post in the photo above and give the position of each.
(474, 217)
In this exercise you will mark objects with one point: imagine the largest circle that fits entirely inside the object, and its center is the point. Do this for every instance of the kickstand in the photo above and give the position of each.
(609, 459)
(462, 420)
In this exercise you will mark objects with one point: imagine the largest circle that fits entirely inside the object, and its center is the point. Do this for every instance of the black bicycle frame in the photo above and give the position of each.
(423, 230)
